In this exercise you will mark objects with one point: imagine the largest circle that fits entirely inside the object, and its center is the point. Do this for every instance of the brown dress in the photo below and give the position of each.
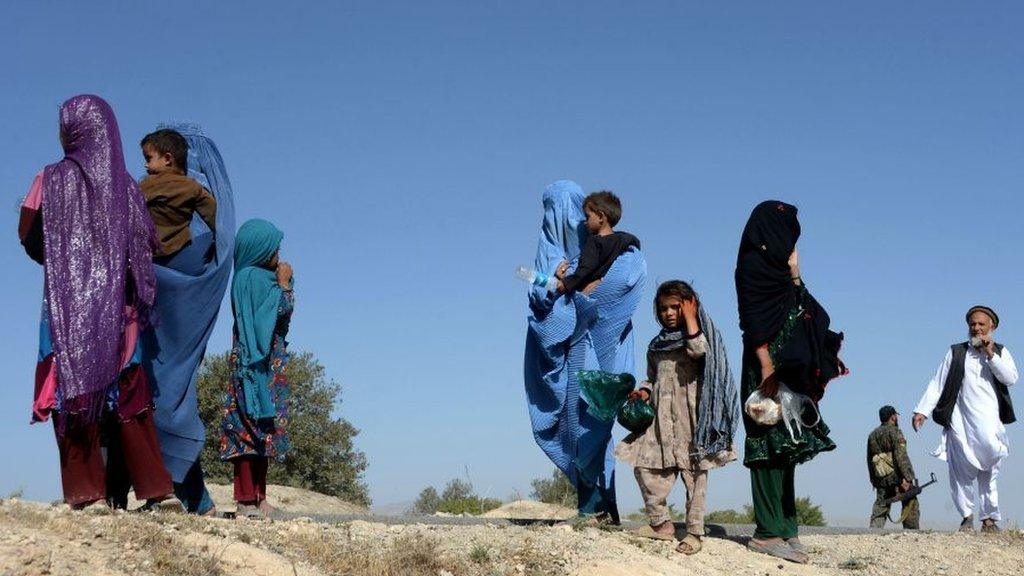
(665, 449)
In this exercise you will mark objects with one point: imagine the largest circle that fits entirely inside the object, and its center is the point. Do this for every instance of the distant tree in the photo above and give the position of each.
(427, 502)
(457, 498)
(731, 516)
(808, 513)
(457, 489)
(555, 490)
(323, 457)
(641, 514)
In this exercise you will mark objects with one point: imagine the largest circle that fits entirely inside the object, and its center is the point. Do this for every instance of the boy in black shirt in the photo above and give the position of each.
(604, 245)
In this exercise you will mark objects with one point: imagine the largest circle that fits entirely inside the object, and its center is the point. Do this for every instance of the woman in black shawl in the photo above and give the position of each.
(786, 339)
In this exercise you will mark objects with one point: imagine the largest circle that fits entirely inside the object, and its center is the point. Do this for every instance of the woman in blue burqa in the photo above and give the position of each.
(589, 329)
(190, 288)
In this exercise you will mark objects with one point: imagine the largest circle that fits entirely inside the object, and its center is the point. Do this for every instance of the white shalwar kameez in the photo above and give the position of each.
(975, 442)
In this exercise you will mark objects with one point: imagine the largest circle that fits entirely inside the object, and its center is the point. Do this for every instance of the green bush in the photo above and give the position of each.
(457, 498)
(731, 516)
(555, 490)
(323, 457)
(807, 514)
(427, 502)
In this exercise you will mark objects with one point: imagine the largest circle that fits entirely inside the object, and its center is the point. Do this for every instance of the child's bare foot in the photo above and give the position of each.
(266, 508)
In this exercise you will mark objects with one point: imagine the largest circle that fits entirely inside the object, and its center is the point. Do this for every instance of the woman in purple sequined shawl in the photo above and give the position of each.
(85, 220)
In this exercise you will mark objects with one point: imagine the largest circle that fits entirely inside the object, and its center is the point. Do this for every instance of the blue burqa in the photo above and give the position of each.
(190, 288)
(576, 332)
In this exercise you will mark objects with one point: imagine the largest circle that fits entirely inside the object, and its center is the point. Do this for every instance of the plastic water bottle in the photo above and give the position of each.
(536, 278)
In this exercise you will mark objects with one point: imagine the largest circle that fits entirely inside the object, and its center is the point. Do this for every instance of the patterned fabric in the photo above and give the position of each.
(242, 435)
(99, 240)
(675, 382)
(772, 446)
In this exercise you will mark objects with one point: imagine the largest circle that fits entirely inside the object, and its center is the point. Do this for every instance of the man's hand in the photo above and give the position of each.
(918, 421)
(989, 345)
(640, 393)
(905, 485)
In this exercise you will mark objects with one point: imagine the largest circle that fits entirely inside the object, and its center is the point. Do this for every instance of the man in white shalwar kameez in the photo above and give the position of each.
(969, 397)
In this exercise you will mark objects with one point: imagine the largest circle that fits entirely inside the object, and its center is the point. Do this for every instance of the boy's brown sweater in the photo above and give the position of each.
(172, 199)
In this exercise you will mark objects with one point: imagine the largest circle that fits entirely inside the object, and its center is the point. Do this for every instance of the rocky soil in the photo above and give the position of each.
(39, 540)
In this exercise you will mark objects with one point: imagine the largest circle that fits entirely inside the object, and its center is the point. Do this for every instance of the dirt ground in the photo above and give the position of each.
(40, 540)
(295, 500)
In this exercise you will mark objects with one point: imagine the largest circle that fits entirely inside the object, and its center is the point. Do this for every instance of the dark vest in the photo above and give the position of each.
(955, 380)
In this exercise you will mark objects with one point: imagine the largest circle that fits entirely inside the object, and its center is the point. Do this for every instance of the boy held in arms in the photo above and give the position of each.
(603, 210)
(171, 196)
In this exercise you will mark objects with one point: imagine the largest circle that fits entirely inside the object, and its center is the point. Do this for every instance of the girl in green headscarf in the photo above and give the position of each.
(256, 403)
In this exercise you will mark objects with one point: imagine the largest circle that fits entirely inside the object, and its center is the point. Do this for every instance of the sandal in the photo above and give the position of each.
(797, 545)
(989, 526)
(250, 512)
(967, 525)
(778, 550)
(648, 531)
(689, 545)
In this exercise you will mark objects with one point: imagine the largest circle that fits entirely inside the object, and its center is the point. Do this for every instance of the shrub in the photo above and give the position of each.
(731, 516)
(807, 514)
(457, 498)
(555, 490)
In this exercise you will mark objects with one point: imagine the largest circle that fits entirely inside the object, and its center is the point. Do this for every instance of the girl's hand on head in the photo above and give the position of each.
(284, 274)
(689, 308)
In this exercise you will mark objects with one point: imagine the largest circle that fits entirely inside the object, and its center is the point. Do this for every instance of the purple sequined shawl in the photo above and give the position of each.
(99, 243)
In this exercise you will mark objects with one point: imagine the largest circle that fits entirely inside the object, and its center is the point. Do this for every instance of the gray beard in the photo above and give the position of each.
(976, 342)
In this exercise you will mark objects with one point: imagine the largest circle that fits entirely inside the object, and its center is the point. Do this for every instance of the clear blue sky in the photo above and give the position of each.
(404, 148)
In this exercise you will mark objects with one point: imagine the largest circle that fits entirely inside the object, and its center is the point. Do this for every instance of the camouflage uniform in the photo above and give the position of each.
(888, 466)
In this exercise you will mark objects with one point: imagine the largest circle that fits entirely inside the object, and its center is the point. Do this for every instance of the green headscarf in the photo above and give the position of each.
(255, 297)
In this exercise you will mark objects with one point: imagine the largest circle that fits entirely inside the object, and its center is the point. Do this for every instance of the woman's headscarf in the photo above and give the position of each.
(99, 243)
(764, 289)
(766, 294)
(255, 297)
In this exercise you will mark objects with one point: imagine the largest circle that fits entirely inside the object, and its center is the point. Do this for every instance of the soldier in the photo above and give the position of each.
(890, 470)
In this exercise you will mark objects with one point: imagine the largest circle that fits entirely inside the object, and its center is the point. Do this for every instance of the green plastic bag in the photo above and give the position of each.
(604, 392)
(636, 415)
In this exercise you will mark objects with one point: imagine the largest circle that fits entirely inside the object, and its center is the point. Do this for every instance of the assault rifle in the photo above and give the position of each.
(914, 491)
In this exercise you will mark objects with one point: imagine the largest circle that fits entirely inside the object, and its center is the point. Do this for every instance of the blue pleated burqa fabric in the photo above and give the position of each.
(190, 288)
(576, 332)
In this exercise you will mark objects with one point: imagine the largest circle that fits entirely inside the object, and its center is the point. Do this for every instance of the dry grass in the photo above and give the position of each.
(415, 555)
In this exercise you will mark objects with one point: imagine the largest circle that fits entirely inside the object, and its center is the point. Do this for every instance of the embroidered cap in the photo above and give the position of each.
(986, 311)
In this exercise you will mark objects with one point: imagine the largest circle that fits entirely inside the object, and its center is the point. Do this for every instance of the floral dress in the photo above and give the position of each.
(240, 434)
(772, 446)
